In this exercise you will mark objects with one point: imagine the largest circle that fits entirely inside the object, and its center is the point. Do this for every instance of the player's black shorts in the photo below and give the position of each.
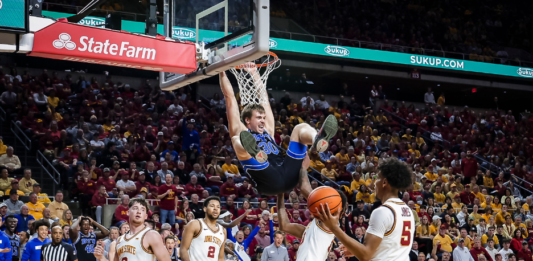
(272, 178)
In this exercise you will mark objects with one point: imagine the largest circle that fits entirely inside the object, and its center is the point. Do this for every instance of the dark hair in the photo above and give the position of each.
(248, 110)
(208, 199)
(140, 201)
(278, 233)
(396, 172)
(39, 223)
(490, 240)
(344, 201)
(170, 237)
(10, 217)
(515, 231)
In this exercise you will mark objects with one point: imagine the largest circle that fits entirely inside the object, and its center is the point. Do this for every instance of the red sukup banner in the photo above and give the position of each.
(78, 43)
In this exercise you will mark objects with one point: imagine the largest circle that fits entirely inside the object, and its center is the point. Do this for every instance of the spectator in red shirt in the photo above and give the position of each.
(193, 187)
(121, 212)
(246, 191)
(106, 181)
(86, 188)
(478, 250)
(168, 194)
(133, 172)
(296, 217)
(228, 189)
(293, 249)
(231, 207)
(99, 199)
(467, 197)
(524, 253)
(142, 153)
(142, 183)
(468, 167)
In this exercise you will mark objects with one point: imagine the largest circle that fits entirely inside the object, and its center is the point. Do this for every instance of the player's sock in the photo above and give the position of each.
(328, 130)
(249, 144)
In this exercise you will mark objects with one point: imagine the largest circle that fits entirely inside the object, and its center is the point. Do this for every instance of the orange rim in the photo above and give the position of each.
(262, 64)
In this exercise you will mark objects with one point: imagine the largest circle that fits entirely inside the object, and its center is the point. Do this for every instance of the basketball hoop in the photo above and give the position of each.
(252, 85)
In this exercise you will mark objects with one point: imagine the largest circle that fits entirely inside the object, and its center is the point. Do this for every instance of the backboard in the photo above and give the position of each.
(227, 33)
(14, 16)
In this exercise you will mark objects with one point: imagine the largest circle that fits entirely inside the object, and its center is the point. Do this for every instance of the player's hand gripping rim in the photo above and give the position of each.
(324, 215)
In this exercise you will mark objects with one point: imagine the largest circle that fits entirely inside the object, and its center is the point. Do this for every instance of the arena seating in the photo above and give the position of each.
(116, 140)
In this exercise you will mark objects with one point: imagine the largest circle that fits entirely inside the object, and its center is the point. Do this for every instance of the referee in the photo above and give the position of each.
(58, 250)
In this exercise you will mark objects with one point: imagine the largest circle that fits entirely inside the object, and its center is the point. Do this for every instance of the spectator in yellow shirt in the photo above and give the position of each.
(478, 194)
(357, 182)
(52, 99)
(408, 135)
(439, 197)
(488, 182)
(430, 174)
(26, 183)
(230, 168)
(465, 237)
(453, 192)
(41, 197)
(528, 203)
(329, 172)
(15, 186)
(443, 240)
(342, 157)
(315, 162)
(457, 204)
(36, 208)
(500, 216)
(5, 181)
(363, 195)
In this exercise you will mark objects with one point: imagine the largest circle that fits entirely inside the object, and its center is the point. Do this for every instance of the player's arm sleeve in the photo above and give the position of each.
(249, 239)
(381, 222)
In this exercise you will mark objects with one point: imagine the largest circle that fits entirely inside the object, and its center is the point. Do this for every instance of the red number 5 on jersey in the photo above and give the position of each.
(406, 234)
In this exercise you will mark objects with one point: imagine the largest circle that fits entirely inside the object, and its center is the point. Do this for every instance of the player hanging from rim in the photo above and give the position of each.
(204, 239)
(256, 149)
(316, 237)
(391, 227)
(140, 243)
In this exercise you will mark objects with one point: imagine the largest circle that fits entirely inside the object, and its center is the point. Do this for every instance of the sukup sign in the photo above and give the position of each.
(74, 42)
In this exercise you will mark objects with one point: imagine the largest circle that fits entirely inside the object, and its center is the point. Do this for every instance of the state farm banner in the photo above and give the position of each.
(78, 43)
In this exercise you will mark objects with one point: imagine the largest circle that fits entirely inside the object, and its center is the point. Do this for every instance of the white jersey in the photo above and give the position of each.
(316, 243)
(394, 223)
(132, 249)
(206, 245)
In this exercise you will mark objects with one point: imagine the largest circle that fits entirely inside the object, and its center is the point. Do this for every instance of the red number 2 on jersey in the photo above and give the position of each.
(406, 234)
(211, 252)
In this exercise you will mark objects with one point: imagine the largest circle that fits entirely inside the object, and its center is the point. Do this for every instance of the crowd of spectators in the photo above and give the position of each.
(110, 141)
(480, 30)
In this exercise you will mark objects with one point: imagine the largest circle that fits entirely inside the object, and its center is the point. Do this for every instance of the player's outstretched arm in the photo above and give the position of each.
(363, 252)
(156, 245)
(285, 224)
(305, 186)
(191, 229)
(232, 107)
(234, 222)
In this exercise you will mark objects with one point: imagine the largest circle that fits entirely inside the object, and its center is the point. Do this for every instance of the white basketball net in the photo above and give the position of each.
(252, 83)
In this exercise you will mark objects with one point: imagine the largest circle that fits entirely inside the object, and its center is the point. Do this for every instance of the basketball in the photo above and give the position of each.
(323, 195)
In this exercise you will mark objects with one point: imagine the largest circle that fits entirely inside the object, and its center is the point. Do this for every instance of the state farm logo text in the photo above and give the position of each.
(106, 47)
